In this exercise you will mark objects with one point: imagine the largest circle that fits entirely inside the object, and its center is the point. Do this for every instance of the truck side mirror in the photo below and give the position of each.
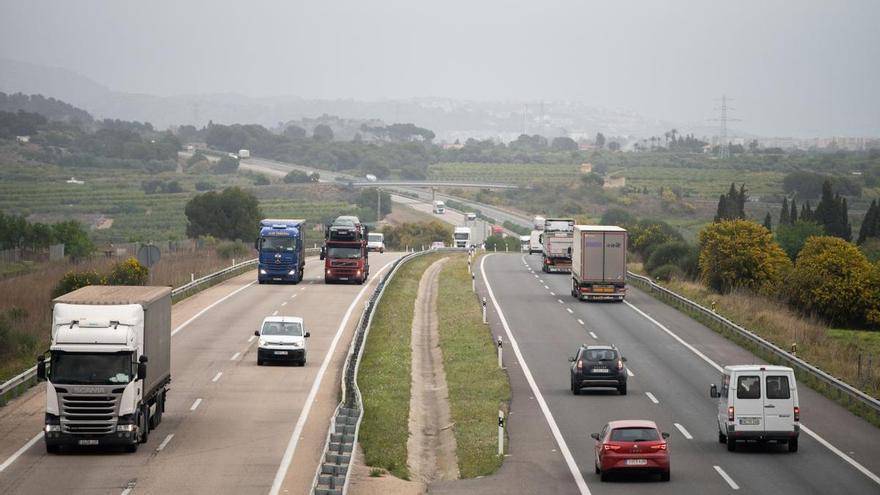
(713, 391)
(41, 368)
(623, 359)
(257, 333)
(594, 436)
(142, 371)
(323, 254)
(257, 243)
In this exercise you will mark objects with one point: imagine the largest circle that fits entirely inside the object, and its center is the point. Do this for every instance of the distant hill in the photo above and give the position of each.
(50, 108)
(449, 119)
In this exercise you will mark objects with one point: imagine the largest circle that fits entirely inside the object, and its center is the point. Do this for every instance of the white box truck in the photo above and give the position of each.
(109, 366)
(439, 207)
(242, 154)
(598, 264)
(461, 237)
(556, 245)
(535, 241)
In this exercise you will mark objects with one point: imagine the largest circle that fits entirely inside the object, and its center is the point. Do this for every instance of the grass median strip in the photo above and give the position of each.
(384, 373)
(477, 387)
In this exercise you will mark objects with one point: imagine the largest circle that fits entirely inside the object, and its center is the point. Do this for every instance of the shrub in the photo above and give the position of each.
(297, 177)
(500, 243)
(741, 253)
(793, 236)
(74, 280)
(617, 216)
(204, 185)
(415, 235)
(834, 280)
(671, 252)
(667, 272)
(226, 165)
(235, 249)
(128, 272)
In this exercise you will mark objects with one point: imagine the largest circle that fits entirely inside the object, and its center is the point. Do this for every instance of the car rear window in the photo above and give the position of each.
(777, 387)
(748, 387)
(634, 435)
(599, 355)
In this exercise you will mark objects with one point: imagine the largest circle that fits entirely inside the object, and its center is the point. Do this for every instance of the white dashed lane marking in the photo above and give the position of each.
(651, 396)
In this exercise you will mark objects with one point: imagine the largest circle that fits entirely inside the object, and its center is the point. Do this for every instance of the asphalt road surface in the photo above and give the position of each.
(669, 384)
(229, 426)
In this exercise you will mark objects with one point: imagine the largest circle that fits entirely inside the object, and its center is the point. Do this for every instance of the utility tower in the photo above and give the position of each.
(724, 142)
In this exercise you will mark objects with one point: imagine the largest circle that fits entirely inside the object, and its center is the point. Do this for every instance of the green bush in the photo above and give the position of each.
(74, 280)
(667, 272)
(128, 272)
(741, 253)
(235, 249)
(671, 252)
(497, 242)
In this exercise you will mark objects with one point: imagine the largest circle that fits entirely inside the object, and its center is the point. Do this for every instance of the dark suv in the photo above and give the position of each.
(598, 366)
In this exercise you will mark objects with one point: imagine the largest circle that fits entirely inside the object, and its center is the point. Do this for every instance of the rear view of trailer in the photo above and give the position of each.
(598, 270)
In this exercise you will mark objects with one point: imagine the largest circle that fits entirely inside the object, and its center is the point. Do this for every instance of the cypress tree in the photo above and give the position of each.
(793, 217)
(869, 223)
(768, 222)
(807, 213)
(741, 202)
(783, 215)
(845, 231)
(721, 213)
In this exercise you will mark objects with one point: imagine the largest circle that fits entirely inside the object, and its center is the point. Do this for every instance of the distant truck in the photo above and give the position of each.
(345, 251)
(497, 230)
(242, 154)
(439, 207)
(376, 242)
(461, 237)
(524, 243)
(535, 241)
(470, 216)
(598, 269)
(538, 222)
(109, 366)
(556, 242)
(371, 177)
(280, 250)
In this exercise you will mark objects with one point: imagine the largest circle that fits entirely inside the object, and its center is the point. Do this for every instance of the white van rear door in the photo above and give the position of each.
(748, 401)
(778, 402)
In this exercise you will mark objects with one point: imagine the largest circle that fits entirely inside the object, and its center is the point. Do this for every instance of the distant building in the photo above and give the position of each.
(23, 139)
(614, 183)
(72, 180)
(586, 168)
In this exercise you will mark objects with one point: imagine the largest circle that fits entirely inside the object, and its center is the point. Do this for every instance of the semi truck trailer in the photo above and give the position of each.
(109, 366)
(556, 245)
(598, 269)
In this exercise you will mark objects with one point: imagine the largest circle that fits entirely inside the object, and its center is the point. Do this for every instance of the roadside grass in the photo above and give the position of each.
(834, 351)
(384, 374)
(478, 389)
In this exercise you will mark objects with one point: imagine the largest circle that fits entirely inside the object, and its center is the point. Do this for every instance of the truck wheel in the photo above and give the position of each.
(145, 424)
(52, 449)
(793, 445)
(261, 282)
(259, 362)
(731, 444)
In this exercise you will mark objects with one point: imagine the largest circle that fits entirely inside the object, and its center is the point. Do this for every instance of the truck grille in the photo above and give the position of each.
(343, 264)
(88, 414)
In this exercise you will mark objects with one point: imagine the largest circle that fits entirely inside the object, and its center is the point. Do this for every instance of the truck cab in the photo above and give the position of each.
(280, 251)
(345, 251)
(461, 237)
(439, 207)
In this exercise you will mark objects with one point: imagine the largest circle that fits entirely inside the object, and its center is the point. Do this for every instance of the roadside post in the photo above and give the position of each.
(500, 432)
(484, 310)
(473, 282)
(500, 350)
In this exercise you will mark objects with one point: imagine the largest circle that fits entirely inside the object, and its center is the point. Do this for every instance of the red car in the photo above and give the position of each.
(631, 445)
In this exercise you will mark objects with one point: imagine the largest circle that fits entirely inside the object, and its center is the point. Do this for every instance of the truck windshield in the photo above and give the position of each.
(558, 226)
(293, 329)
(462, 236)
(279, 244)
(344, 252)
(85, 368)
(375, 237)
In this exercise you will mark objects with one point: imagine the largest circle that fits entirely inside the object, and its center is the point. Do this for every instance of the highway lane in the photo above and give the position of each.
(231, 421)
(479, 228)
(677, 379)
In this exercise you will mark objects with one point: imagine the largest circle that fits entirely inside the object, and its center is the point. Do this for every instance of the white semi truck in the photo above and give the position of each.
(556, 245)
(598, 269)
(109, 366)
(461, 237)
(535, 241)
(439, 207)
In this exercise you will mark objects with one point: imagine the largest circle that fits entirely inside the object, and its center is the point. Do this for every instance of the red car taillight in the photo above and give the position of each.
(730, 415)
(610, 446)
(659, 446)
(797, 413)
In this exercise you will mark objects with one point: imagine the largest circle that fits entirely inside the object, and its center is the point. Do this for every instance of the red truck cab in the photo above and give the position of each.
(345, 252)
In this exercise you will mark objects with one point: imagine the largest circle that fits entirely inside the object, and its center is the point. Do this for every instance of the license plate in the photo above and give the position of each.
(600, 370)
(280, 353)
(636, 462)
(750, 421)
(88, 442)
(343, 278)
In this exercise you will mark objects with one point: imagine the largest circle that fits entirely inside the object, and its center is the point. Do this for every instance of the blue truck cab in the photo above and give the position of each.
(280, 248)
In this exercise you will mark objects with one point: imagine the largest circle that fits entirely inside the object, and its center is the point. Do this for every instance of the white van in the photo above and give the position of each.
(376, 242)
(757, 402)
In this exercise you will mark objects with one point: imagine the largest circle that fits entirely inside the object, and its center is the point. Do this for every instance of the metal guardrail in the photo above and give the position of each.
(24, 380)
(841, 388)
(334, 472)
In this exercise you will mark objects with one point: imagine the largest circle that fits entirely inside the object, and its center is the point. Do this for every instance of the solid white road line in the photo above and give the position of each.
(164, 442)
(854, 463)
(304, 414)
(217, 376)
(651, 396)
(593, 334)
(195, 404)
(726, 477)
(211, 306)
(235, 356)
(554, 428)
(630, 373)
(683, 431)
(569, 311)
(581, 321)
(20, 451)
(251, 338)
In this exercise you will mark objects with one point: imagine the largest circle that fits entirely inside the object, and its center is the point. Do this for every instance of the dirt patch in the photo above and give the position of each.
(361, 483)
(431, 446)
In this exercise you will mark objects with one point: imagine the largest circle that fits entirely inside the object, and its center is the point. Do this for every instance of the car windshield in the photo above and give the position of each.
(344, 252)
(375, 237)
(278, 244)
(634, 435)
(600, 355)
(286, 328)
(81, 368)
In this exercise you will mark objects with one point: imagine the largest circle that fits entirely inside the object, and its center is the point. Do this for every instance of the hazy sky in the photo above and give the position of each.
(805, 67)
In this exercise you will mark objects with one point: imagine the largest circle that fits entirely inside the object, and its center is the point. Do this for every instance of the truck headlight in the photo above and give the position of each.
(53, 428)
(126, 428)
(292, 272)
(262, 271)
